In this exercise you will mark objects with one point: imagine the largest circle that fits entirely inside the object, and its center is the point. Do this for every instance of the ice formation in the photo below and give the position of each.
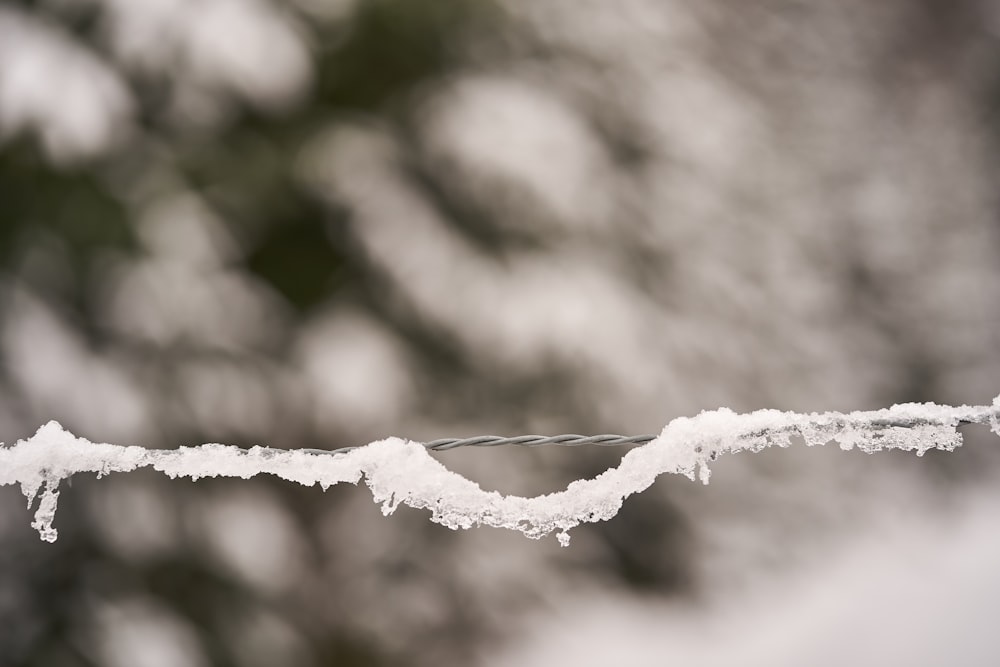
(403, 472)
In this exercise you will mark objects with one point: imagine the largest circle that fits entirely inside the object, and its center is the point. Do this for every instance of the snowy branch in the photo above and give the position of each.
(403, 472)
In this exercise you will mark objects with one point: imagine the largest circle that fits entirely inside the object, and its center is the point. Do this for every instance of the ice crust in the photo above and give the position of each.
(403, 472)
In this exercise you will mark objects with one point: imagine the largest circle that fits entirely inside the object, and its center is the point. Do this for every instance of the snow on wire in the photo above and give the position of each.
(403, 472)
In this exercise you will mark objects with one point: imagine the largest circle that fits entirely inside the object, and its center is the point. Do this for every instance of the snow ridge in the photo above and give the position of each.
(403, 472)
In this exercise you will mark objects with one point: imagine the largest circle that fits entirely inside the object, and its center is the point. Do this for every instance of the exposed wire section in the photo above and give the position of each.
(567, 440)
(974, 416)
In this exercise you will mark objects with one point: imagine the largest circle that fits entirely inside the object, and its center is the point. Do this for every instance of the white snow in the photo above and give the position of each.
(403, 472)
(917, 588)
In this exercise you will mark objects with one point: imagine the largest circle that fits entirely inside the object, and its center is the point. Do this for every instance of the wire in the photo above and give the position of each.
(566, 440)
(979, 416)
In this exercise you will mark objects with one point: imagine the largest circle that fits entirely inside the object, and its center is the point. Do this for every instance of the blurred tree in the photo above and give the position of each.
(322, 222)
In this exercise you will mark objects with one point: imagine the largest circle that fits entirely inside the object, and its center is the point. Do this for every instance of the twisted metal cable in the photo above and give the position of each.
(566, 440)
(978, 415)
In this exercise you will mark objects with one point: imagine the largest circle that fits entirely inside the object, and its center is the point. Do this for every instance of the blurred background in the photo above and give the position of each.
(317, 223)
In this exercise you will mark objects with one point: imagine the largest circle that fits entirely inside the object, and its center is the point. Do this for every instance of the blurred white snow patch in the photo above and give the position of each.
(923, 591)
(636, 33)
(349, 160)
(62, 378)
(497, 131)
(168, 299)
(702, 121)
(251, 47)
(48, 84)
(570, 304)
(253, 536)
(230, 397)
(142, 633)
(357, 372)
(248, 48)
(182, 227)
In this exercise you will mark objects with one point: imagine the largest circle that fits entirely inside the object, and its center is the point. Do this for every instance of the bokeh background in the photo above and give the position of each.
(317, 223)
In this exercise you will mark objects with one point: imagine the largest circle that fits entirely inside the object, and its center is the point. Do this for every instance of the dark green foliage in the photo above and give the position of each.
(390, 48)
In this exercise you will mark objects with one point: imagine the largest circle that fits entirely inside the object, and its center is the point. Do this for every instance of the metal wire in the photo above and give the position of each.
(975, 416)
(566, 440)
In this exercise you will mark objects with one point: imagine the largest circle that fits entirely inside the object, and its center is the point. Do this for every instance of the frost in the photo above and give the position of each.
(46, 513)
(995, 416)
(400, 472)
